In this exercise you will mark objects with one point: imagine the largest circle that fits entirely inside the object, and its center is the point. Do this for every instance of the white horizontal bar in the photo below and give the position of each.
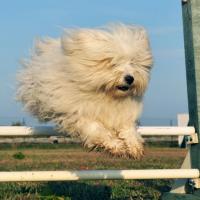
(27, 131)
(98, 174)
(48, 130)
(166, 130)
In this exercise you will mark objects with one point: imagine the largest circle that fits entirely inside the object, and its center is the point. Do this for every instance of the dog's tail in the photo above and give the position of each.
(35, 77)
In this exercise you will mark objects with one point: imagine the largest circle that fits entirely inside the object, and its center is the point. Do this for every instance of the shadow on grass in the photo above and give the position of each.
(77, 191)
(89, 190)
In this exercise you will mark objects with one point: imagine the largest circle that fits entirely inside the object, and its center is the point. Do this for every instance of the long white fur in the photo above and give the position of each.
(73, 81)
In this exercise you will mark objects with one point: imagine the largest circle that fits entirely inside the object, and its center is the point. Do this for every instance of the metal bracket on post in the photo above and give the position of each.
(184, 1)
(192, 139)
(194, 183)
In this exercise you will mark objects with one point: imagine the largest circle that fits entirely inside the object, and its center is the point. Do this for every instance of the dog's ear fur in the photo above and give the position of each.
(141, 35)
(87, 44)
(92, 46)
(140, 39)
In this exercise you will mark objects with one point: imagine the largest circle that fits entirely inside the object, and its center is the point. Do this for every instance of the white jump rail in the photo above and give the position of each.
(98, 175)
(27, 131)
(49, 131)
(70, 175)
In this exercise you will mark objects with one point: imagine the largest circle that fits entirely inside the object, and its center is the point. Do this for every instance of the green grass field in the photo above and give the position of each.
(62, 157)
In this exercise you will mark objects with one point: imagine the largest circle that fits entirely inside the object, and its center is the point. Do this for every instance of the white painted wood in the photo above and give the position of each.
(179, 184)
(182, 120)
(165, 130)
(48, 130)
(98, 174)
(27, 131)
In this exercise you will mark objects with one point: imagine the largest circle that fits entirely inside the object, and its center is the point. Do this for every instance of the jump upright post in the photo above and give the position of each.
(191, 29)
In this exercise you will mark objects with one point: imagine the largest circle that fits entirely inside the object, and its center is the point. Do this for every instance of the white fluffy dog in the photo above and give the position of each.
(91, 83)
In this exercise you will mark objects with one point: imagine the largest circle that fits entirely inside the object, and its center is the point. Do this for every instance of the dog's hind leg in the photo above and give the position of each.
(95, 135)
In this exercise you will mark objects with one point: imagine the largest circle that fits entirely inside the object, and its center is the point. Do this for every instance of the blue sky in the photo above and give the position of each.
(23, 21)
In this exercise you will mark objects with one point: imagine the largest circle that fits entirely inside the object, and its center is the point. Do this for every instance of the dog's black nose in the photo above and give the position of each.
(129, 79)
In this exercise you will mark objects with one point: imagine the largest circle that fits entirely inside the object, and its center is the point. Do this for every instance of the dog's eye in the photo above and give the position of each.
(114, 65)
(145, 68)
(132, 64)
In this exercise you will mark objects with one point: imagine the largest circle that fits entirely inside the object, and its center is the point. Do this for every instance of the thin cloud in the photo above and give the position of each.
(165, 30)
(169, 53)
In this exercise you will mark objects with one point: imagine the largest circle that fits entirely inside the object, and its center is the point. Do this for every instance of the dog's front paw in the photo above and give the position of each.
(115, 147)
(133, 142)
(135, 148)
(111, 145)
(128, 149)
